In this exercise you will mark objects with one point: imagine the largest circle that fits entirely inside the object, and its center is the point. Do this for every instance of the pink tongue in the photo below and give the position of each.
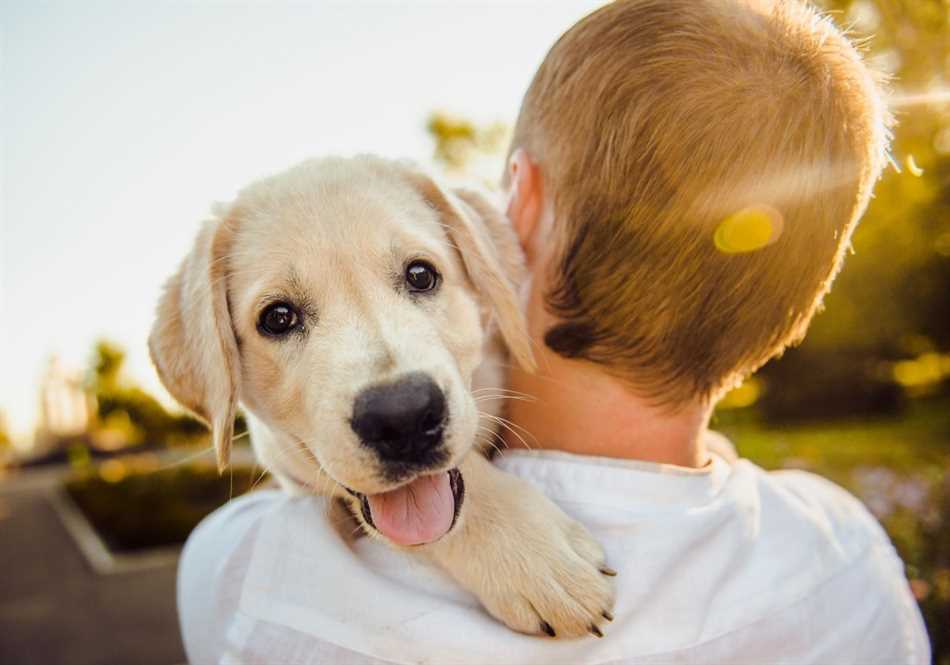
(417, 513)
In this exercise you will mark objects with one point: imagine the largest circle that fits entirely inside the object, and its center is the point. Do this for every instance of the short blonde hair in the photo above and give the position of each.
(652, 122)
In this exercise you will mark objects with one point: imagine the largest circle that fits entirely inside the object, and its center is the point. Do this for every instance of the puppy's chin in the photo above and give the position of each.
(416, 513)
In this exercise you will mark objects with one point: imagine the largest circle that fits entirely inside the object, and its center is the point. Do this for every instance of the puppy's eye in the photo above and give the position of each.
(278, 319)
(421, 277)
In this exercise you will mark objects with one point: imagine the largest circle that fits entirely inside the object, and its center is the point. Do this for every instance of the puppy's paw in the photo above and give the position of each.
(531, 566)
(554, 579)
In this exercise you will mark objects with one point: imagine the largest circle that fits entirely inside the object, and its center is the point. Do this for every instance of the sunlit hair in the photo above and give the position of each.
(707, 162)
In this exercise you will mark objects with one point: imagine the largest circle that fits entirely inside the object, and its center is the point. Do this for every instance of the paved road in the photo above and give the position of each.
(55, 610)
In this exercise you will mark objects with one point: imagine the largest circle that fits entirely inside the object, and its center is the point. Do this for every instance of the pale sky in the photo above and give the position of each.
(123, 121)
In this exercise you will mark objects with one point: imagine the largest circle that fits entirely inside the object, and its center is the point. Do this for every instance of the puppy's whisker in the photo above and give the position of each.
(492, 432)
(508, 425)
(328, 492)
(503, 389)
(486, 398)
(524, 430)
(323, 483)
(493, 394)
(188, 458)
(241, 435)
(259, 479)
(283, 454)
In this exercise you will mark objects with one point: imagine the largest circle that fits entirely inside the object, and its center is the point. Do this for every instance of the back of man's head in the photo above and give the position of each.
(707, 160)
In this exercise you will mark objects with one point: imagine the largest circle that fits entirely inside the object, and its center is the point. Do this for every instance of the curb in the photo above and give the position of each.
(97, 554)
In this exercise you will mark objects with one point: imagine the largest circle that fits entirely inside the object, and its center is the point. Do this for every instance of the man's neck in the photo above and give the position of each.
(577, 408)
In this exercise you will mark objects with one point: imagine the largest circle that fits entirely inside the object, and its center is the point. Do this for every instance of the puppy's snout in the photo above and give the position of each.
(402, 420)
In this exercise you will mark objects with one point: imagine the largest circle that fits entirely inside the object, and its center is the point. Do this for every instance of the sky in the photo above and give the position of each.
(122, 122)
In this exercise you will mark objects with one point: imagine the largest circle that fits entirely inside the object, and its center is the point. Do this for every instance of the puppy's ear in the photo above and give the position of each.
(192, 342)
(491, 254)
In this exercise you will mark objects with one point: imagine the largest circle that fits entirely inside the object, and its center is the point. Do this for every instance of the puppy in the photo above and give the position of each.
(356, 310)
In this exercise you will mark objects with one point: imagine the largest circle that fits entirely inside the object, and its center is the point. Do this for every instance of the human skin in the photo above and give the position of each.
(575, 406)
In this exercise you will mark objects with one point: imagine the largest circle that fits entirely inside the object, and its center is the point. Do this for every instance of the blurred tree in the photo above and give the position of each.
(892, 300)
(462, 147)
(4, 436)
(126, 414)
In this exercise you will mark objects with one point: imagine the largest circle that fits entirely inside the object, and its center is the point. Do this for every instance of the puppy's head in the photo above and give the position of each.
(345, 303)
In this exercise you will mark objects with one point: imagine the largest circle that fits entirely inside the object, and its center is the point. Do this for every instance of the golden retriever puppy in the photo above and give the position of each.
(354, 308)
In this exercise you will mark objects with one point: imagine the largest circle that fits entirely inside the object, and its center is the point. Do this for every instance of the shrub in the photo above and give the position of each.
(134, 509)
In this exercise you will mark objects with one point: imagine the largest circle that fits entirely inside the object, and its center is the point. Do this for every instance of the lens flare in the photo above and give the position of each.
(930, 97)
(748, 230)
(912, 166)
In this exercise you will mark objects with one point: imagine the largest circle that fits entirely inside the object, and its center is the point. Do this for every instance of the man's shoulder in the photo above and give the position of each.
(825, 507)
(760, 559)
(234, 522)
(804, 550)
(805, 526)
(214, 557)
(793, 517)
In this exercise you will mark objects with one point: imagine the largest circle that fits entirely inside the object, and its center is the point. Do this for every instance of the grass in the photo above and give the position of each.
(916, 443)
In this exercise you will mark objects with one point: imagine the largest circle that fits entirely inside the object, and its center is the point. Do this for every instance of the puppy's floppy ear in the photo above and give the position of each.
(192, 342)
(491, 254)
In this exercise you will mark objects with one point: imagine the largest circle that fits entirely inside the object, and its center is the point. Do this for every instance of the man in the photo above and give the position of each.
(684, 179)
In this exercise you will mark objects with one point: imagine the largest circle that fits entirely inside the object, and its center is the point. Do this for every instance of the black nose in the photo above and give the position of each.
(403, 420)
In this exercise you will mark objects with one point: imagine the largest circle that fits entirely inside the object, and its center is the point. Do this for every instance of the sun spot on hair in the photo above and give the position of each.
(748, 230)
(912, 166)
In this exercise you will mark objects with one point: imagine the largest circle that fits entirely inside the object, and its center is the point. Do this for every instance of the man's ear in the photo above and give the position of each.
(192, 342)
(491, 255)
(525, 205)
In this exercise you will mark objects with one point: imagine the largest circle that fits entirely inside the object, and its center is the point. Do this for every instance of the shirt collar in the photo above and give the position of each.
(566, 477)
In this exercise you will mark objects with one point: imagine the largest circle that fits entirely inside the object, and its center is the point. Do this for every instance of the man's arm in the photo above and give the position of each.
(896, 633)
(210, 571)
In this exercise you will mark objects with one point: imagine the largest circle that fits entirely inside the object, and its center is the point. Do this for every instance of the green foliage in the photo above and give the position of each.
(140, 510)
(107, 362)
(459, 142)
(129, 410)
(892, 300)
(4, 437)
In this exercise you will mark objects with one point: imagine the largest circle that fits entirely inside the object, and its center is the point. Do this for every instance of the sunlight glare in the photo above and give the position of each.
(912, 166)
(938, 96)
(748, 230)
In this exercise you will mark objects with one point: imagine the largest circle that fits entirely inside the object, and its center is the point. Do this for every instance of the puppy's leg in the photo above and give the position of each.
(532, 567)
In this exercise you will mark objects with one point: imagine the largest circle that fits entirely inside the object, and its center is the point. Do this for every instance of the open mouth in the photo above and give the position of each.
(418, 512)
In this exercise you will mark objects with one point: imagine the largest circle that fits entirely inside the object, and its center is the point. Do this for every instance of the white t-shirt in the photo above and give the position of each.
(727, 564)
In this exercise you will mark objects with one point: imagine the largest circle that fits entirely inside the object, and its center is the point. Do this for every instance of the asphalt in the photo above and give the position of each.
(55, 610)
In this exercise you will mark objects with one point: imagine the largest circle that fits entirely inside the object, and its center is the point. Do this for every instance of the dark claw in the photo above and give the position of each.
(607, 615)
(546, 627)
(594, 630)
(607, 570)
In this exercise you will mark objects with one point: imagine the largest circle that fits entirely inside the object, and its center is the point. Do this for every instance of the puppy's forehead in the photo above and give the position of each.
(336, 210)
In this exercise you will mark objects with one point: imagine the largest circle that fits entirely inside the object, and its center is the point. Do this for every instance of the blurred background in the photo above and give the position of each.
(122, 122)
